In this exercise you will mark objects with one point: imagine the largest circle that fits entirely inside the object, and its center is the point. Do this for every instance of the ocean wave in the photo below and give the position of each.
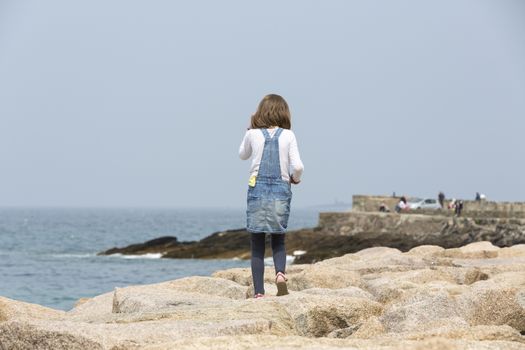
(269, 260)
(141, 256)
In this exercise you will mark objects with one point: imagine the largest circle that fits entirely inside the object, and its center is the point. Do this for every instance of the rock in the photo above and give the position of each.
(157, 245)
(344, 332)
(517, 250)
(190, 292)
(270, 290)
(478, 333)
(227, 245)
(16, 310)
(342, 233)
(508, 280)
(469, 276)
(318, 276)
(377, 252)
(317, 316)
(144, 314)
(15, 335)
(378, 298)
(96, 308)
(371, 328)
(81, 301)
(427, 251)
(422, 309)
(349, 292)
(488, 303)
(478, 250)
(133, 301)
(378, 261)
(476, 247)
(493, 266)
(266, 342)
(243, 276)
(218, 287)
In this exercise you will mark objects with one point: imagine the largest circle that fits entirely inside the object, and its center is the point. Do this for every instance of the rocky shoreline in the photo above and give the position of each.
(343, 233)
(470, 297)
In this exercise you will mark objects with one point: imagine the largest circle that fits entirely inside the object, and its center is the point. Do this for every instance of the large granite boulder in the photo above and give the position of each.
(17, 310)
(267, 342)
(472, 297)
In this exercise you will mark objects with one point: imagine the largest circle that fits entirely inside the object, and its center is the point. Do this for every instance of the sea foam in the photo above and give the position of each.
(141, 256)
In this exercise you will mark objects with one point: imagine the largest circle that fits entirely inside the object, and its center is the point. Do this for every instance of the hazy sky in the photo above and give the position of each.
(144, 103)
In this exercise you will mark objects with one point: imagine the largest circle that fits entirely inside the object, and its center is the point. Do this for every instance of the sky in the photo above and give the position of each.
(134, 103)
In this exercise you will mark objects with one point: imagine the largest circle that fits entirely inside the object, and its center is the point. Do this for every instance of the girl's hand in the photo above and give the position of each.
(292, 180)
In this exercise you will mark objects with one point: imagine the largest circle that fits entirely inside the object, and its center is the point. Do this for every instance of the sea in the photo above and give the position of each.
(48, 256)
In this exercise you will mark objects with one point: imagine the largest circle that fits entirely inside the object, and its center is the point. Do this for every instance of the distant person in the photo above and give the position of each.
(441, 199)
(458, 208)
(401, 205)
(383, 208)
(452, 204)
(273, 149)
(478, 196)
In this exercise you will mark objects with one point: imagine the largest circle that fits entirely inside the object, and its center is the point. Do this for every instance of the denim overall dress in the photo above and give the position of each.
(269, 200)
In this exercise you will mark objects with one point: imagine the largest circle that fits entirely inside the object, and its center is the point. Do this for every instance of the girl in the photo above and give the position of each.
(275, 165)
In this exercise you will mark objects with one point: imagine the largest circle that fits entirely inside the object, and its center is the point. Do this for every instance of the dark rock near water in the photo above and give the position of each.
(319, 243)
(157, 245)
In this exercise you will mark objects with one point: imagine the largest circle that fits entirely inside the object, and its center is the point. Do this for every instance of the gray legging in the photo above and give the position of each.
(279, 258)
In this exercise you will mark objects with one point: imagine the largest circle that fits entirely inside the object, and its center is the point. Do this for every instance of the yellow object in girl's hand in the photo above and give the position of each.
(251, 183)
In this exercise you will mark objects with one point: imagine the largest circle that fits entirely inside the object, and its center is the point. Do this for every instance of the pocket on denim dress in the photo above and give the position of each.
(282, 213)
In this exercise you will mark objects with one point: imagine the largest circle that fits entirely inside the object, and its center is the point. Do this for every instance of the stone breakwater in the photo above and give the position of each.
(471, 208)
(346, 232)
(471, 297)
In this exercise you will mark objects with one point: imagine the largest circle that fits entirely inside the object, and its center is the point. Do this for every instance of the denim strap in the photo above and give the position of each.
(270, 166)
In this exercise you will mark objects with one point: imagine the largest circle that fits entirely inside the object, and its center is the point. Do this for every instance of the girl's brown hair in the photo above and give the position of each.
(272, 111)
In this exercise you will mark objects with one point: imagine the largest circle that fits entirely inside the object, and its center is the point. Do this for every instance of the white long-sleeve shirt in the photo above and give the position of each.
(253, 145)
